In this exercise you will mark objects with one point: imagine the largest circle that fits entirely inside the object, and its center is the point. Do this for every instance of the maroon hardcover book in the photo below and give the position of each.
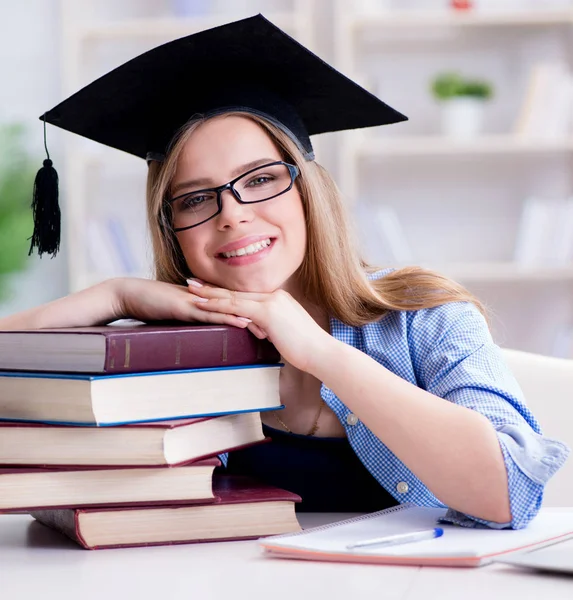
(133, 348)
(26, 489)
(244, 509)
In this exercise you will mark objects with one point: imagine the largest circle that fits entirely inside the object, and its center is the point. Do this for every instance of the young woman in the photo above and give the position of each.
(393, 388)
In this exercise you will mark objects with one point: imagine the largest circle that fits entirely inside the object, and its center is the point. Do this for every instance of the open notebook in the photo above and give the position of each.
(459, 546)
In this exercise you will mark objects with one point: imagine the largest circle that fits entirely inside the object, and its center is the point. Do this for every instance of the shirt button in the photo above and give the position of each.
(351, 419)
(402, 487)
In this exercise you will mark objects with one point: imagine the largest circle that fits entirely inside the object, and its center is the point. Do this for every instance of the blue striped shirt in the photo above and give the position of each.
(448, 351)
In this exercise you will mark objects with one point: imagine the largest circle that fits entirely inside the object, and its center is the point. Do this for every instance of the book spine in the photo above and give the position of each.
(64, 521)
(133, 352)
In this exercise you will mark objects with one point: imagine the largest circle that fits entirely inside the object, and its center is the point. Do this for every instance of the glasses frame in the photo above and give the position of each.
(294, 173)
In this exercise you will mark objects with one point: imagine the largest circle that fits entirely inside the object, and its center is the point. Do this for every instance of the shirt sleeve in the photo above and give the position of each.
(455, 358)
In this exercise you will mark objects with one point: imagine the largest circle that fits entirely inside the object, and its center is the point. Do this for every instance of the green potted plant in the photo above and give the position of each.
(463, 101)
(16, 184)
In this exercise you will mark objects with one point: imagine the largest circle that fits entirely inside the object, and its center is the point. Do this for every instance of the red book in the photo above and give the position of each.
(133, 348)
(144, 444)
(26, 489)
(244, 509)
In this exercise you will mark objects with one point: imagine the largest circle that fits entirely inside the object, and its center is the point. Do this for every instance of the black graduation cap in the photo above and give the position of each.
(249, 64)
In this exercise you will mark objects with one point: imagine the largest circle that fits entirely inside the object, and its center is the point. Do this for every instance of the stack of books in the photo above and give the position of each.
(111, 434)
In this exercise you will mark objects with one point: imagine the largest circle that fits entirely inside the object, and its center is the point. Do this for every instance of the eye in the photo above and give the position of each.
(194, 202)
(260, 180)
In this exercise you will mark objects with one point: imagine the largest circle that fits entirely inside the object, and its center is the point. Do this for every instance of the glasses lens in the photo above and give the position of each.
(193, 209)
(264, 183)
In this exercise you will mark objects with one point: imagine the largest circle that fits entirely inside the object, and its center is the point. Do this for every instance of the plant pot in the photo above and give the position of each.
(463, 117)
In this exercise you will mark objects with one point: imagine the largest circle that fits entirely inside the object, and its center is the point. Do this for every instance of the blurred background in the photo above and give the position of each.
(478, 184)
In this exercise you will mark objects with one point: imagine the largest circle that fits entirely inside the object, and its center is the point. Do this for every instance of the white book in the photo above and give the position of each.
(558, 109)
(120, 241)
(563, 244)
(562, 346)
(532, 234)
(458, 546)
(103, 258)
(543, 237)
(391, 228)
(382, 237)
(542, 114)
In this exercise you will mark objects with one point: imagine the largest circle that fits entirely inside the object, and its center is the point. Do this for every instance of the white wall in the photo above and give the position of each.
(29, 72)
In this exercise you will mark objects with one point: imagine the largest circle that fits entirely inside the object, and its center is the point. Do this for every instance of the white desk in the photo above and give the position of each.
(36, 562)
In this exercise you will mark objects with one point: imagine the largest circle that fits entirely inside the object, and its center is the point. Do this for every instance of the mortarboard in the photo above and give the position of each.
(248, 65)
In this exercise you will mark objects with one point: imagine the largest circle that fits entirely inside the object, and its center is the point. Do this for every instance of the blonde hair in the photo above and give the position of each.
(332, 276)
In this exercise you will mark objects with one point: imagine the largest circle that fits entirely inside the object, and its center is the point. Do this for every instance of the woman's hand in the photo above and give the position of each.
(277, 315)
(149, 300)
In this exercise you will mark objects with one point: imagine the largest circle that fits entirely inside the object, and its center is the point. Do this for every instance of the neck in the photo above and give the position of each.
(293, 287)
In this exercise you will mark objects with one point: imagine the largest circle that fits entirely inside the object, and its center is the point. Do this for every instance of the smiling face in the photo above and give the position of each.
(232, 250)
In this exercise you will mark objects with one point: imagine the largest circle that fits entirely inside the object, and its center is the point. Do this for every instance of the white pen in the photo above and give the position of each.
(401, 538)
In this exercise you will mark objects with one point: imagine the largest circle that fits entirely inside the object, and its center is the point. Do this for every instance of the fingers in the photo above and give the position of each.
(218, 319)
(233, 306)
(221, 318)
(237, 306)
(257, 331)
(198, 288)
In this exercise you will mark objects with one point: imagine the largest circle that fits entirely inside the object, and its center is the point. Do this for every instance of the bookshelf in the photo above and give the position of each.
(391, 19)
(459, 202)
(495, 145)
(171, 27)
(504, 272)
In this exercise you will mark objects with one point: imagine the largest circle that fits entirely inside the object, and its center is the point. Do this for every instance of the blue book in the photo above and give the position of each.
(77, 399)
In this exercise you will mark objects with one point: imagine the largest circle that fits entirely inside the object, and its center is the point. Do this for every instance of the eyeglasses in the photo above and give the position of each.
(257, 185)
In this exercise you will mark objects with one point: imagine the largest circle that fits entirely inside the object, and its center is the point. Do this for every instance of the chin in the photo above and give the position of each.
(261, 285)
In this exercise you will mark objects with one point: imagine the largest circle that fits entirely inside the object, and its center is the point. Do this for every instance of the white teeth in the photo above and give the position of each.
(250, 249)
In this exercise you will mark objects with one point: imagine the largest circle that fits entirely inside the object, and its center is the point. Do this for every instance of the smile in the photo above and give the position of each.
(248, 250)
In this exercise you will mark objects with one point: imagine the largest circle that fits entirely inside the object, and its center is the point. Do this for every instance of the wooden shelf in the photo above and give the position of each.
(425, 146)
(169, 26)
(475, 18)
(504, 272)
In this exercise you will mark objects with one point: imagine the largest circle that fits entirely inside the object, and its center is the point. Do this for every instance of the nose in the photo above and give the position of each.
(233, 212)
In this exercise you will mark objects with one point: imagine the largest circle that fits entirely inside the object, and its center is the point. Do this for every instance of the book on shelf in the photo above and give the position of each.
(79, 399)
(25, 489)
(102, 258)
(383, 235)
(562, 346)
(110, 248)
(545, 233)
(243, 509)
(131, 347)
(145, 444)
(547, 109)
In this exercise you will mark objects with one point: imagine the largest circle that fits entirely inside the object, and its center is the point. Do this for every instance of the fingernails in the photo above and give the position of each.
(199, 299)
(194, 283)
(245, 319)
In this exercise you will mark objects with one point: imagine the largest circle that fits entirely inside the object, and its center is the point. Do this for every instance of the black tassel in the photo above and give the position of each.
(46, 209)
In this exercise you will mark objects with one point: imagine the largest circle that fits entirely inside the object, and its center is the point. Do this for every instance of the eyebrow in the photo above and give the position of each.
(206, 181)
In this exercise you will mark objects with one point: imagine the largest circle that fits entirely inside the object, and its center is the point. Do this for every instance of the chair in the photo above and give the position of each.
(547, 384)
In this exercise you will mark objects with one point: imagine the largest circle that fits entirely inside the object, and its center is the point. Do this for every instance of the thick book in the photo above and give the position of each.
(244, 509)
(143, 444)
(25, 489)
(457, 547)
(138, 397)
(132, 348)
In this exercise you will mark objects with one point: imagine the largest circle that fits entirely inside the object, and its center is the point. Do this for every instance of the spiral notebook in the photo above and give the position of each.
(459, 546)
